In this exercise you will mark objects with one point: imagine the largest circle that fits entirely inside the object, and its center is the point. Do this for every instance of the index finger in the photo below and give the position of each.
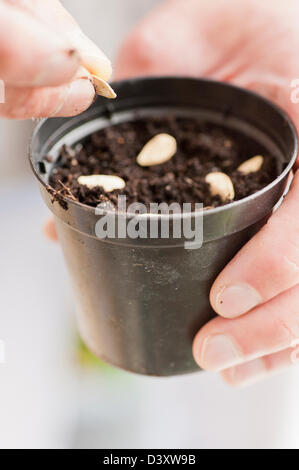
(31, 54)
(59, 20)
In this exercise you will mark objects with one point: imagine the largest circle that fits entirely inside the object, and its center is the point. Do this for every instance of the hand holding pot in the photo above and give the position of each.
(252, 44)
(257, 298)
(42, 51)
(257, 294)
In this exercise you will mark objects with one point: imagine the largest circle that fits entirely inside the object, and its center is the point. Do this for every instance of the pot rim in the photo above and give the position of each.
(207, 212)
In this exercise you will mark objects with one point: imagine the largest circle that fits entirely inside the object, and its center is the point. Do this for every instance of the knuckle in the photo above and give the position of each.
(276, 258)
(29, 102)
(230, 379)
(18, 103)
(141, 45)
(8, 59)
(289, 330)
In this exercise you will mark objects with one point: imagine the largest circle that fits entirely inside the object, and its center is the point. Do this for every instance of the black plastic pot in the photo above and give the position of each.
(140, 302)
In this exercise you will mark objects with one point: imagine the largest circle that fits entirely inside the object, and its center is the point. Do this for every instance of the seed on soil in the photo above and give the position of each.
(107, 182)
(252, 165)
(221, 185)
(103, 88)
(113, 150)
(158, 150)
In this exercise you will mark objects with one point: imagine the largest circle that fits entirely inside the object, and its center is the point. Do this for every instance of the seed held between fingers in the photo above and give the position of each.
(221, 185)
(252, 165)
(107, 182)
(158, 150)
(103, 88)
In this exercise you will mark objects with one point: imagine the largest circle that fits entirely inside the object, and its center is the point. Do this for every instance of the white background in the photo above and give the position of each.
(46, 399)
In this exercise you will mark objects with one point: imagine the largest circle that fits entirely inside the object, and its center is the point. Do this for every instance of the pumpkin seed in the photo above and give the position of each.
(158, 150)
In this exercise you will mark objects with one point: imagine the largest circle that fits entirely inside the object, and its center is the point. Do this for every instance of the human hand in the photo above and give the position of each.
(252, 44)
(42, 54)
(249, 43)
(255, 45)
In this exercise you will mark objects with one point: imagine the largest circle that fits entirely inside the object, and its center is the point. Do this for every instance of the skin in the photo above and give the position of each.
(255, 45)
(46, 61)
(252, 44)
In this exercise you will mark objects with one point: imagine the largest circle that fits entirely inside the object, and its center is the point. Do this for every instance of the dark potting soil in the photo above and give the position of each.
(202, 148)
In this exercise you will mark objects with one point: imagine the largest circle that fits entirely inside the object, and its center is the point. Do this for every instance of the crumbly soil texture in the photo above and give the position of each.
(201, 148)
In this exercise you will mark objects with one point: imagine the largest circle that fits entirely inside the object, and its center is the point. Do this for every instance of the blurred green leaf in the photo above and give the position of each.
(87, 359)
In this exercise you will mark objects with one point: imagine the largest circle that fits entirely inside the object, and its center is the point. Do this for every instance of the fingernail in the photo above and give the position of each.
(246, 373)
(59, 68)
(97, 65)
(79, 96)
(236, 299)
(219, 352)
